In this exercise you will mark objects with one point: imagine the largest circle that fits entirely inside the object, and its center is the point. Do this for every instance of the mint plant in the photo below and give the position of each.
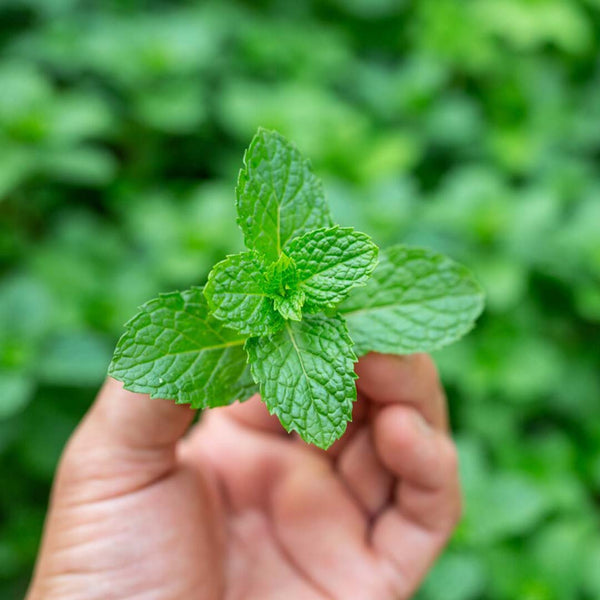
(289, 317)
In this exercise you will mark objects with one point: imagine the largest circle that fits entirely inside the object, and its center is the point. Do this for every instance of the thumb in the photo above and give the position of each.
(125, 442)
(135, 421)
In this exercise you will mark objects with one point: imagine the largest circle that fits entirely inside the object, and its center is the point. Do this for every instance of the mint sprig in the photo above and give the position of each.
(289, 316)
(306, 376)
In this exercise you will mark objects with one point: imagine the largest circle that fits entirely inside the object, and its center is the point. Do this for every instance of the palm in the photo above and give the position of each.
(294, 529)
(302, 523)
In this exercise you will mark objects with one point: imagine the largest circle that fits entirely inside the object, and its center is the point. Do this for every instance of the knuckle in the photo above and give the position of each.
(395, 424)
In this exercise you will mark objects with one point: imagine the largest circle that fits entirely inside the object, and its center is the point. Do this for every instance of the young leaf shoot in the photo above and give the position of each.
(289, 317)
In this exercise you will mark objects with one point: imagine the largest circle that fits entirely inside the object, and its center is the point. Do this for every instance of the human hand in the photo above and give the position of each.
(239, 509)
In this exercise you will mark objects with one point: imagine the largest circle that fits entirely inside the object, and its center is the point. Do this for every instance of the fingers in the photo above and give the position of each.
(364, 474)
(410, 448)
(409, 437)
(135, 420)
(323, 533)
(425, 462)
(413, 380)
(411, 532)
(126, 441)
(410, 384)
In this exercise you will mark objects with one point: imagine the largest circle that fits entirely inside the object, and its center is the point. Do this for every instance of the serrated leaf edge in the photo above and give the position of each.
(243, 178)
(315, 308)
(131, 385)
(351, 355)
(479, 293)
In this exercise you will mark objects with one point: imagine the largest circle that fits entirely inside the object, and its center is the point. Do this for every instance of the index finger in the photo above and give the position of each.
(411, 380)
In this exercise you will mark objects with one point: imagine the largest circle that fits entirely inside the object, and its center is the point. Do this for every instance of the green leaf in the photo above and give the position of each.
(416, 301)
(17, 391)
(73, 358)
(173, 348)
(456, 577)
(306, 376)
(237, 294)
(290, 306)
(278, 195)
(330, 262)
(281, 276)
(282, 285)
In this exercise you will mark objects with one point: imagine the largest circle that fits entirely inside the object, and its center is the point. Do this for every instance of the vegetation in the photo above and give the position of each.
(472, 128)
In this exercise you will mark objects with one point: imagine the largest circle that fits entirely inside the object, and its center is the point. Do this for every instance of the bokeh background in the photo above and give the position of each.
(470, 126)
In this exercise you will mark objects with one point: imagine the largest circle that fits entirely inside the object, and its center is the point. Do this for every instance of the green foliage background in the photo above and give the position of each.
(470, 126)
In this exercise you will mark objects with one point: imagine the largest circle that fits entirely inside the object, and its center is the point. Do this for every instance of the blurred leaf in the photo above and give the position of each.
(389, 155)
(505, 505)
(26, 92)
(173, 107)
(371, 8)
(16, 166)
(455, 122)
(26, 309)
(591, 572)
(588, 302)
(455, 577)
(559, 555)
(17, 390)
(76, 359)
(85, 165)
(322, 125)
(79, 116)
(530, 24)
(46, 430)
(504, 281)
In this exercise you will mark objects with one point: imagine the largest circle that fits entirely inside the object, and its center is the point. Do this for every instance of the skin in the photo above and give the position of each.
(238, 509)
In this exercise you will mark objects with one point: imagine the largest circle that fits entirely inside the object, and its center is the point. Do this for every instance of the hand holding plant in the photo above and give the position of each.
(239, 509)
